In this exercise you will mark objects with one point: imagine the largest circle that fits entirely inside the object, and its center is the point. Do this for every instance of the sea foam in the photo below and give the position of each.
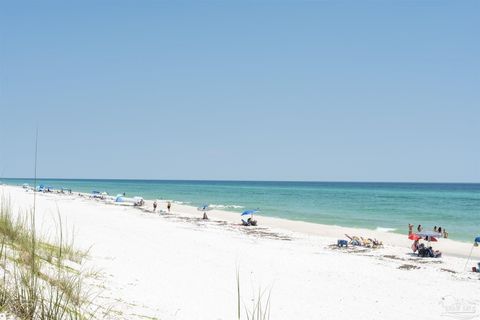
(381, 229)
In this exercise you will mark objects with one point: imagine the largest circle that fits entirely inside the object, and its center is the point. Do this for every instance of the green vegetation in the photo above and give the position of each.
(41, 279)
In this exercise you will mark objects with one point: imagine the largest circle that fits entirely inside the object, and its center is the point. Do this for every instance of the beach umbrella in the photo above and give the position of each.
(249, 212)
(413, 236)
(476, 241)
(426, 234)
(205, 207)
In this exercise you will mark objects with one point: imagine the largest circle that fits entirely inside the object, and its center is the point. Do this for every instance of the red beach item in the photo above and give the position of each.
(413, 236)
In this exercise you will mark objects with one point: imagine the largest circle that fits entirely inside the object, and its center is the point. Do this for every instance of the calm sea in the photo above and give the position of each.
(455, 207)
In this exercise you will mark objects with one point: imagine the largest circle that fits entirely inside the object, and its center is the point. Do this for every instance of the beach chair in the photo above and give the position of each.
(354, 241)
(376, 243)
(341, 243)
(367, 243)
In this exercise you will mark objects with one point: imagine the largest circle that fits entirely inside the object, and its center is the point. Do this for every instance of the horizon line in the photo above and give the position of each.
(248, 180)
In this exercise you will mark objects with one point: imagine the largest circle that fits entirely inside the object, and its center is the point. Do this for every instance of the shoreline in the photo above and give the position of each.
(449, 247)
(380, 221)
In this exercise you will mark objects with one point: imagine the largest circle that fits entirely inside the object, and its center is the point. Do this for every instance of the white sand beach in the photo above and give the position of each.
(177, 266)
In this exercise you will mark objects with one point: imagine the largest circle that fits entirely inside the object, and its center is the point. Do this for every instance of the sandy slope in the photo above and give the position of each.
(179, 267)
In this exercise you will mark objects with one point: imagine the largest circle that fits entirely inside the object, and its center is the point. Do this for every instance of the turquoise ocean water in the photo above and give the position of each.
(455, 207)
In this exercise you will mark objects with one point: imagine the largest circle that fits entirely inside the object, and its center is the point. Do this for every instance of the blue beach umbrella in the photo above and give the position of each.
(247, 215)
(475, 244)
(248, 212)
(205, 207)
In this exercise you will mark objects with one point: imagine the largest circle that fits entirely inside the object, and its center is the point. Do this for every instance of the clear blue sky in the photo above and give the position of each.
(263, 90)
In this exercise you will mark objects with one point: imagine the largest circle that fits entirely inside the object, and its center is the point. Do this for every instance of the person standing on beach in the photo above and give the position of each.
(154, 206)
(169, 205)
(419, 228)
(410, 229)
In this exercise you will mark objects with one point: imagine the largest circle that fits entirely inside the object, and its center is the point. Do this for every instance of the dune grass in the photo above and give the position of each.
(41, 279)
(258, 309)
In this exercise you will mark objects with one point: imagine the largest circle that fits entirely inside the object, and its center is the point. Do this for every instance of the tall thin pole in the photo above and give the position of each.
(469, 256)
(34, 201)
(32, 306)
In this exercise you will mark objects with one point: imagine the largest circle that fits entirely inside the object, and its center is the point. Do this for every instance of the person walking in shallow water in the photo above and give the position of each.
(169, 205)
(419, 228)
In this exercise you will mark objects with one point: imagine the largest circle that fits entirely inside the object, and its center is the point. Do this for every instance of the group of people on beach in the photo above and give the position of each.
(420, 248)
(443, 231)
(440, 230)
(169, 206)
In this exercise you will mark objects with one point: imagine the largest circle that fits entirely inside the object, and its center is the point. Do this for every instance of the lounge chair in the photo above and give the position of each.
(354, 241)
(376, 243)
(367, 242)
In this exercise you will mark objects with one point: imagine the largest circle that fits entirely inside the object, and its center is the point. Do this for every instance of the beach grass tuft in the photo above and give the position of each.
(259, 309)
(42, 279)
